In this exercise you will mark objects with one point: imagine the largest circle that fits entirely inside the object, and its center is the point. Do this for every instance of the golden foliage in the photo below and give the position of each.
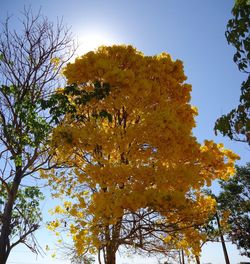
(145, 157)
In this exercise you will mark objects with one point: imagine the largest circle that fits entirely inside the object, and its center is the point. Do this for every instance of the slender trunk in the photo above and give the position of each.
(222, 240)
(6, 218)
(197, 258)
(182, 257)
(99, 256)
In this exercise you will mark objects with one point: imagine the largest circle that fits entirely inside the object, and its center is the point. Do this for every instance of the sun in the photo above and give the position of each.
(91, 41)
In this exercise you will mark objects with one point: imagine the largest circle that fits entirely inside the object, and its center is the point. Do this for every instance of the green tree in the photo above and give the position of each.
(29, 65)
(235, 198)
(26, 215)
(236, 124)
(232, 219)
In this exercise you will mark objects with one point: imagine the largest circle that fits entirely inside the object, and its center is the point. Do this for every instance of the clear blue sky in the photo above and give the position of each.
(192, 31)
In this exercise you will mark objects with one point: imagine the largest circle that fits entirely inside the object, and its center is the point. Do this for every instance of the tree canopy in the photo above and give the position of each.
(135, 169)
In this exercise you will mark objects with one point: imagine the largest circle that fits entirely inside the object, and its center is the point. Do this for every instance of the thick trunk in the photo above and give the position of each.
(3, 259)
(112, 234)
(222, 240)
(110, 256)
(6, 219)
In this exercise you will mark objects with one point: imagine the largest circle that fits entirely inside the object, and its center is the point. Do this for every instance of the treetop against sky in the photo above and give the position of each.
(191, 31)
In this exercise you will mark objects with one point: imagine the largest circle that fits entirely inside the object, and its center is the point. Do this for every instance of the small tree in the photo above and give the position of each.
(231, 219)
(30, 61)
(137, 170)
(235, 198)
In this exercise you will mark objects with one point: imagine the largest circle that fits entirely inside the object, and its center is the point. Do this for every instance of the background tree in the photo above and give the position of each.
(231, 221)
(236, 124)
(235, 198)
(216, 227)
(137, 170)
(31, 60)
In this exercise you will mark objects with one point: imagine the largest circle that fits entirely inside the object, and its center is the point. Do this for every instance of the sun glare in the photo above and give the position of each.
(89, 42)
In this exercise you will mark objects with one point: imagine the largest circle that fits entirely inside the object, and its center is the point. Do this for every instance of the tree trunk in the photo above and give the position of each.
(6, 230)
(110, 248)
(224, 249)
(111, 259)
(197, 258)
(182, 257)
(222, 240)
(6, 218)
(179, 256)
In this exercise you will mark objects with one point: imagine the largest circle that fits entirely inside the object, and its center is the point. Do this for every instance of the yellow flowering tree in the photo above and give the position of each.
(135, 170)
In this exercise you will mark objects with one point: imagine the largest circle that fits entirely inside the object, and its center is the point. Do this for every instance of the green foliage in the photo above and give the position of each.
(235, 197)
(237, 33)
(26, 214)
(234, 202)
(236, 124)
(34, 126)
(59, 103)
